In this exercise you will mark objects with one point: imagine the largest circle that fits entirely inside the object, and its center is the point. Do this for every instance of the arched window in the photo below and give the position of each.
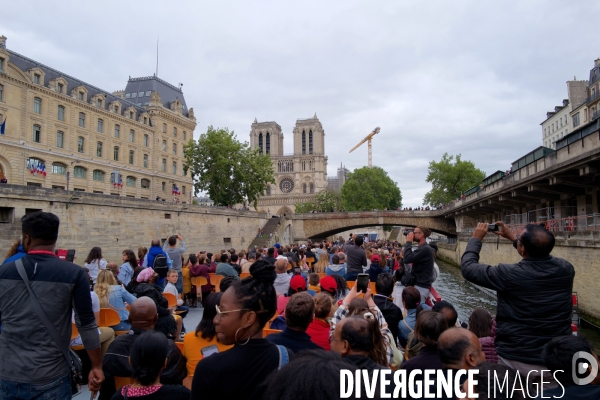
(303, 142)
(268, 190)
(37, 105)
(260, 142)
(79, 172)
(312, 188)
(59, 168)
(61, 113)
(304, 188)
(145, 183)
(33, 163)
(82, 120)
(130, 181)
(98, 175)
(116, 153)
(268, 143)
(310, 142)
(37, 133)
(80, 144)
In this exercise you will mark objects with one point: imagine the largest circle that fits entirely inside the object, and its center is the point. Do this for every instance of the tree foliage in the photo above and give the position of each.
(370, 188)
(228, 170)
(449, 178)
(324, 201)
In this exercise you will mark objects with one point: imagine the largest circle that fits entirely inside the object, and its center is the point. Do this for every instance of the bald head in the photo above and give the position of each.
(155, 242)
(460, 348)
(143, 314)
(281, 265)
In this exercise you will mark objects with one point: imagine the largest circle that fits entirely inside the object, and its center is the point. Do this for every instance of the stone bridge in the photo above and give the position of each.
(321, 225)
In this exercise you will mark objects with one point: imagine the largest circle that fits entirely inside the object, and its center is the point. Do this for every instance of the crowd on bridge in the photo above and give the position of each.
(280, 322)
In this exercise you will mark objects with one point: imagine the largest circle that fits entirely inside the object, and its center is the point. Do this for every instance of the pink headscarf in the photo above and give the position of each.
(145, 275)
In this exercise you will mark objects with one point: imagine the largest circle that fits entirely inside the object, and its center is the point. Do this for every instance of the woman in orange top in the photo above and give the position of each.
(204, 336)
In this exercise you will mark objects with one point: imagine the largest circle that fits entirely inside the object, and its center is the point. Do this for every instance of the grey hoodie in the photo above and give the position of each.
(282, 283)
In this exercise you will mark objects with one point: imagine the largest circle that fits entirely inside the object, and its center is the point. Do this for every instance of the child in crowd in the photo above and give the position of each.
(484, 327)
(114, 268)
(313, 282)
(170, 288)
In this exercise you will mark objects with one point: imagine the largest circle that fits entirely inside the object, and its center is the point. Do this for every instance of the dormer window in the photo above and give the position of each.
(80, 96)
(1, 64)
(60, 87)
(147, 93)
(99, 103)
(36, 78)
(116, 109)
(141, 94)
(134, 95)
(127, 95)
(130, 114)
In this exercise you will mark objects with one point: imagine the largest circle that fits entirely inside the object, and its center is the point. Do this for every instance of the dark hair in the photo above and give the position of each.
(364, 334)
(224, 257)
(209, 257)
(131, 258)
(95, 254)
(206, 328)
(538, 242)
(445, 305)
(193, 259)
(434, 247)
(359, 241)
(429, 327)
(480, 322)
(257, 292)
(335, 259)
(426, 231)
(411, 298)
(357, 306)
(142, 251)
(299, 311)
(384, 285)
(41, 225)
(148, 355)
(313, 279)
(487, 370)
(226, 283)
(558, 355)
(271, 251)
(172, 240)
(342, 286)
(322, 305)
(234, 257)
(454, 351)
(320, 368)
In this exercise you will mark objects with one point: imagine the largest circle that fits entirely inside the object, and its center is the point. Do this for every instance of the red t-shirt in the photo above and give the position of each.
(318, 330)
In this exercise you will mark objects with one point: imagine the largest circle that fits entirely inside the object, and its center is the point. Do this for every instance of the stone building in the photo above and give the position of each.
(558, 123)
(63, 133)
(335, 183)
(298, 175)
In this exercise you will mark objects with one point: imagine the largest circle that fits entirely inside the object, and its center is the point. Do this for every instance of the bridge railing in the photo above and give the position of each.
(589, 222)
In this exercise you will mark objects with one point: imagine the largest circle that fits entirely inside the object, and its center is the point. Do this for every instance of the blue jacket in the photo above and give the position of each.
(117, 298)
(374, 271)
(15, 257)
(153, 252)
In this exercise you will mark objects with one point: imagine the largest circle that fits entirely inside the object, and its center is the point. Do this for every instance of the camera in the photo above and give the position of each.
(407, 231)
(493, 228)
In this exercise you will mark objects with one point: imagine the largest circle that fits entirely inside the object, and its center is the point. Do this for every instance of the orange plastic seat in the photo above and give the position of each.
(215, 280)
(350, 284)
(267, 332)
(74, 334)
(310, 261)
(244, 275)
(373, 290)
(171, 299)
(322, 275)
(199, 281)
(121, 381)
(108, 317)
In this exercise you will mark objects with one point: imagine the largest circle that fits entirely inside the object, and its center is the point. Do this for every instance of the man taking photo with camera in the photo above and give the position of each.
(421, 274)
(534, 295)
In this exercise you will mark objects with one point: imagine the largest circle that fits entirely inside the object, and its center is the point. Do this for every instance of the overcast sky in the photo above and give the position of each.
(469, 77)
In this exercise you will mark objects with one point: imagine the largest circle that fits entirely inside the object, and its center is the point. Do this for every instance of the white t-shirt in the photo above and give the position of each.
(170, 288)
(93, 268)
(95, 308)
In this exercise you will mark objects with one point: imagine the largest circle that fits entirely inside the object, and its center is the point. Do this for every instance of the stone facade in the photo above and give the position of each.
(558, 123)
(299, 175)
(119, 223)
(83, 135)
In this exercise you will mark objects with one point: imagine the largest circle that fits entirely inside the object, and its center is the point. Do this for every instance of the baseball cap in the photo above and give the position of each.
(297, 282)
(277, 245)
(328, 284)
(375, 258)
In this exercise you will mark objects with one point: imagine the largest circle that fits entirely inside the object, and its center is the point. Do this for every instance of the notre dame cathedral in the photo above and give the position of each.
(298, 175)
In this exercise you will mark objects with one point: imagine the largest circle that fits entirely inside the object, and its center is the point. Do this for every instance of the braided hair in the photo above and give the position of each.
(257, 292)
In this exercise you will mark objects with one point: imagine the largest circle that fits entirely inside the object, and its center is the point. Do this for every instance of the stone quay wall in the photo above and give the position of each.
(117, 223)
(583, 251)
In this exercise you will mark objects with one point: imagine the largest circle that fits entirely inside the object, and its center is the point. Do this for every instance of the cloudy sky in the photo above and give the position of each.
(469, 77)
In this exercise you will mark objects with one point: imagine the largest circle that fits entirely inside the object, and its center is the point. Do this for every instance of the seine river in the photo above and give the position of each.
(465, 297)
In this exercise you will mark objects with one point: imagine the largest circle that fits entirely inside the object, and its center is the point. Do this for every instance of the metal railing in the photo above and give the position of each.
(593, 97)
(595, 115)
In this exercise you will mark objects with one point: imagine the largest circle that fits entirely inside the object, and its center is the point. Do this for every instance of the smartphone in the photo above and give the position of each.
(362, 283)
(209, 350)
(297, 270)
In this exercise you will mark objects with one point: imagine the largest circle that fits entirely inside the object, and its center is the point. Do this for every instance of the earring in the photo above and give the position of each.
(236, 340)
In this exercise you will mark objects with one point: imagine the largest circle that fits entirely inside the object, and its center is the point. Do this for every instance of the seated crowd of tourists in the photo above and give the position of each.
(282, 322)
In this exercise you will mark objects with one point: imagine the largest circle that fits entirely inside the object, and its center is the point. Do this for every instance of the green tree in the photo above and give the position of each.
(449, 178)
(324, 201)
(370, 188)
(228, 170)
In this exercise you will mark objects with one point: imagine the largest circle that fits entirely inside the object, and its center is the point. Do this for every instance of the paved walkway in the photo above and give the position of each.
(191, 321)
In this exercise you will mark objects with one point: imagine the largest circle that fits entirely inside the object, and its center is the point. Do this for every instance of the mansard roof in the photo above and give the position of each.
(168, 93)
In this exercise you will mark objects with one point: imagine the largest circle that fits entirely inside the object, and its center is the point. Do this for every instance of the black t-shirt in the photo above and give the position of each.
(172, 392)
(238, 373)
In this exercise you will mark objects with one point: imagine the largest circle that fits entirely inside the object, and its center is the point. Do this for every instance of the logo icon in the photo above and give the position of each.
(580, 363)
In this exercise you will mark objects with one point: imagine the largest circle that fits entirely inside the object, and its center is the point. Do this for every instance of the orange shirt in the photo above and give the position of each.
(192, 347)
(187, 281)
(316, 288)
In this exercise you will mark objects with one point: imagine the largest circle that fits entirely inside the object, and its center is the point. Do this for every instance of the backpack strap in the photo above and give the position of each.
(284, 357)
(407, 325)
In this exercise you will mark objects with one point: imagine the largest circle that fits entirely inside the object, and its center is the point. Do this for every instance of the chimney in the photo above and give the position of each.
(565, 102)
(2, 42)
(596, 62)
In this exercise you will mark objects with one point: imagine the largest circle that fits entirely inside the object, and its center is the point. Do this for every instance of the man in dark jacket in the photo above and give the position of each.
(391, 312)
(142, 317)
(421, 259)
(534, 295)
(356, 259)
(375, 269)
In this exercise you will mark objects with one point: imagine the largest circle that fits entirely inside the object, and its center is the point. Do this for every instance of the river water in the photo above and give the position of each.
(465, 297)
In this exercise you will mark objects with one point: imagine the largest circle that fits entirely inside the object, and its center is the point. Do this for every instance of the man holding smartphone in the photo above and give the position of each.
(421, 259)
